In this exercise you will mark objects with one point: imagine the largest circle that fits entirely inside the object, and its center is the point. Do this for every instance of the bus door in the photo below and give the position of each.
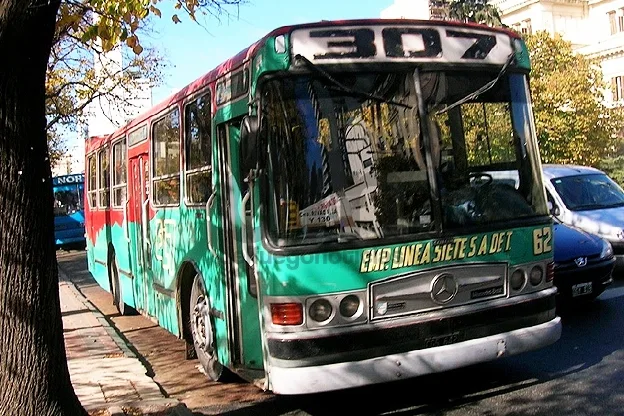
(138, 205)
(242, 304)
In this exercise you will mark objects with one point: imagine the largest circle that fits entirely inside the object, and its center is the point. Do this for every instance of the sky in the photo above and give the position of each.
(192, 50)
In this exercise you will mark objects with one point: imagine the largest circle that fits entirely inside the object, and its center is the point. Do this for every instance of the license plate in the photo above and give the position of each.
(443, 340)
(582, 289)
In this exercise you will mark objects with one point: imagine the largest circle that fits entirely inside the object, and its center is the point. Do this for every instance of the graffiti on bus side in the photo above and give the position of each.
(164, 246)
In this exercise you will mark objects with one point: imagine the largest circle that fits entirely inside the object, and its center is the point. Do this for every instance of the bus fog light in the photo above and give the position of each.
(320, 310)
(536, 275)
(349, 306)
(517, 279)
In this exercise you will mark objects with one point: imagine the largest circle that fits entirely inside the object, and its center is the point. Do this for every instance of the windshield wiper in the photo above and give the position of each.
(481, 90)
(346, 89)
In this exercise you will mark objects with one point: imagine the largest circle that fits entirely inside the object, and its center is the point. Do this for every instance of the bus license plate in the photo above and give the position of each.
(443, 340)
(582, 289)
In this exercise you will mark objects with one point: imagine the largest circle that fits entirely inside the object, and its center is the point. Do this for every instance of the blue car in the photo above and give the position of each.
(584, 263)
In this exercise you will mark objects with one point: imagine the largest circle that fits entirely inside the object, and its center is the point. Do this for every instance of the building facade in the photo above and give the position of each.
(594, 27)
(70, 162)
(110, 111)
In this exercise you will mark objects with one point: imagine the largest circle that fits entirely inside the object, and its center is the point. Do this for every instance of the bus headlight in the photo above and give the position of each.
(349, 306)
(536, 275)
(517, 279)
(320, 310)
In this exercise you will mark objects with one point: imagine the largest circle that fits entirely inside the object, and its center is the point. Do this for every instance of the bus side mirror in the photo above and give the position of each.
(249, 143)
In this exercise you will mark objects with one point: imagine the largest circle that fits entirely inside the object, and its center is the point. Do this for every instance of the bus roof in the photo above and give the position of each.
(244, 55)
(322, 23)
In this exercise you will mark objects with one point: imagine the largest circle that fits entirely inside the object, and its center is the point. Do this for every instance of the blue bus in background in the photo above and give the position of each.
(69, 228)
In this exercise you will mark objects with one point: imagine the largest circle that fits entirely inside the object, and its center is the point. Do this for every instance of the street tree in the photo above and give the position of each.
(34, 378)
(573, 123)
(476, 11)
(82, 75)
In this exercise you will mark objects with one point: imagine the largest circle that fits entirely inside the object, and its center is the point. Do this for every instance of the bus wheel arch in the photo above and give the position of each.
(185, 279)
(201, 327)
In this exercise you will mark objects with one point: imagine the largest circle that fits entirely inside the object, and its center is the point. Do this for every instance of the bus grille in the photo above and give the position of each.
(436, 289)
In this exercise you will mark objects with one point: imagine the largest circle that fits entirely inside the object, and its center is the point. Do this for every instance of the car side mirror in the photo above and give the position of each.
(249, 143)
(553, 209)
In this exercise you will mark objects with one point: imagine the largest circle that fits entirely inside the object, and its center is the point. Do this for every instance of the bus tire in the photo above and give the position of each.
(202, 331)
(116, 290)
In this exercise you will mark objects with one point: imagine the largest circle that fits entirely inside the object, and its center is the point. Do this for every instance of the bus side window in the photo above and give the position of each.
(119, 173)
(166, 159)
(198, 150)
(104, 178)
(91, 182)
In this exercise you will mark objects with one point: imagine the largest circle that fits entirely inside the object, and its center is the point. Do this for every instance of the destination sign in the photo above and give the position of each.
(401, 43)
(429, 252)
(67, 179)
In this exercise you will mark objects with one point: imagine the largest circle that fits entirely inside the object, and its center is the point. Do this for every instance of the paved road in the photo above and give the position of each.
(582, 374)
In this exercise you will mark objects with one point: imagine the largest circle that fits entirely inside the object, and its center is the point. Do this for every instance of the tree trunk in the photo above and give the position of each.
(34, 379)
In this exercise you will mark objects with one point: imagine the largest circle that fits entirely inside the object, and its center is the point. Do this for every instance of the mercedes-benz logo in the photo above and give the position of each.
(443, 288)
(580, 261)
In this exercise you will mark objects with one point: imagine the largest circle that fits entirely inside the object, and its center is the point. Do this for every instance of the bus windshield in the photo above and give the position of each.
(68, 199)
(351, 158)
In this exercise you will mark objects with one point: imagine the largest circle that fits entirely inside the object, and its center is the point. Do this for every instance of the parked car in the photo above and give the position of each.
(584, 263)
(587, 198)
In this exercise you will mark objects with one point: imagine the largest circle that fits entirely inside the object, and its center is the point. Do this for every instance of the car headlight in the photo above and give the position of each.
(607, 250)
(613, 234)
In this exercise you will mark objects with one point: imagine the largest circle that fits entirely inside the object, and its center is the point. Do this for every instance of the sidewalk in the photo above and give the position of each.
(108, 378)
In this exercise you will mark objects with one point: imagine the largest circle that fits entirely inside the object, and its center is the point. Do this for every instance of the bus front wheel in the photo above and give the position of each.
(202, 330)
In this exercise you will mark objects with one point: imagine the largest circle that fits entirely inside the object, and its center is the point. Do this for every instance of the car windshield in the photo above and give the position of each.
(588, 192)
(350, 160)
(67, 199)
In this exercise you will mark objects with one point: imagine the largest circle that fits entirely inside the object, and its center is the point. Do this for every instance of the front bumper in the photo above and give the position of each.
(618, 250)
(303, 380)
(61, 242)
(599, 274)
(410, 346)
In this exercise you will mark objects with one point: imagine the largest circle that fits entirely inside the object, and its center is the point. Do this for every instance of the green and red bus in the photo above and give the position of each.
(331, 207)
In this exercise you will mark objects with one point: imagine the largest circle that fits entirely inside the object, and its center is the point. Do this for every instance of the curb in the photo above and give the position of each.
(161, 407)
(63, 279)
(169, 407)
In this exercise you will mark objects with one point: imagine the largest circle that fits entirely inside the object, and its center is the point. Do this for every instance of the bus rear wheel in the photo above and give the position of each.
(202, 330)
(116, 290)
